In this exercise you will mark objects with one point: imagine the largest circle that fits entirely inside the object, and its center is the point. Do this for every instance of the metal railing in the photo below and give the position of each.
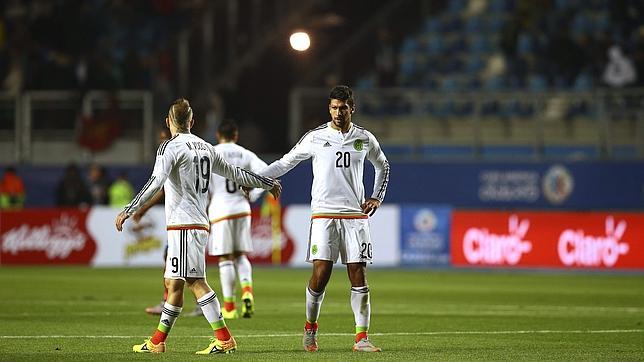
(46, 122)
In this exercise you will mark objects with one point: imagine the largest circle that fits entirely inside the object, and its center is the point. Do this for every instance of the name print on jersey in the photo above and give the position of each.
(197, 146)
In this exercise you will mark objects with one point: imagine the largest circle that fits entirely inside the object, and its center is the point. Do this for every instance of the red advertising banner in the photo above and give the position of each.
(45, 236)
(600, 240)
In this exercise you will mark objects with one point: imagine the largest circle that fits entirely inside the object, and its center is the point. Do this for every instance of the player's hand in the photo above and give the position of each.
(277, 189)
(120, 219)
(370, 206)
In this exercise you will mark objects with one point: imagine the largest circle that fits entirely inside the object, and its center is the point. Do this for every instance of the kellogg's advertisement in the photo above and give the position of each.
(600, 240)
(45, 236)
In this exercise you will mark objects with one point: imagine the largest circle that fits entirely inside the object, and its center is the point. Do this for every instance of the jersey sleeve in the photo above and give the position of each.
(162, 168)
(381, 166)
(300, 152)
(256, 165)
(240, 175)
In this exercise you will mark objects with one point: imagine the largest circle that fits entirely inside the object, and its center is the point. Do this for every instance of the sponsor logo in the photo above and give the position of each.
(166, 322)
(577, 248)
(314, 249)
(327, 144)
(142, 238)
(57, 240)
(358, 144)
(480, 246)
(425, 220)
(193, 271)
(557, 184)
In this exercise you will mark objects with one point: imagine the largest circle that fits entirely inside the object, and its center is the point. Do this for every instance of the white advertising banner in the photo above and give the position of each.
(139, 244)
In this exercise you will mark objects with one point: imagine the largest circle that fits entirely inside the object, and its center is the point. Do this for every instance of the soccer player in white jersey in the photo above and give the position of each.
(183, 168)
(229, 213)
(340, 212)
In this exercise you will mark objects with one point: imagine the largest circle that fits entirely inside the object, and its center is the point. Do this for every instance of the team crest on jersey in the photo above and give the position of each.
(357, 144)
(314, 249)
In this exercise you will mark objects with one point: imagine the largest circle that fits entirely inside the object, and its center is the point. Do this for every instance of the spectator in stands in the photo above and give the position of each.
(121, 191)
(72, 190)
(620, 71)
(12, 190)
(98, 184)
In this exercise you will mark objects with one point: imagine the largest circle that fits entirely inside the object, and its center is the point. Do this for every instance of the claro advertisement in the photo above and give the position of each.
(598, 240)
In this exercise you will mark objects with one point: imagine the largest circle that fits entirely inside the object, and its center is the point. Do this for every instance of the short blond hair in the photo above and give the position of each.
(180, 114)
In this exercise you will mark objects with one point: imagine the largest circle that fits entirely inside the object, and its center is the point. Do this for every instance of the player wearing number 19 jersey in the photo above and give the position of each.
(339, 221)
(230, 223)
(183, 168)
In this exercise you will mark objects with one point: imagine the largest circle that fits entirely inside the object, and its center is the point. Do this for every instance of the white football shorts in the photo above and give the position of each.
(348, 238)
(231, 235)
(186, 254)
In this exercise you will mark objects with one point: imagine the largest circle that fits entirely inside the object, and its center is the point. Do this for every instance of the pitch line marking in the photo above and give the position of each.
(437, 333)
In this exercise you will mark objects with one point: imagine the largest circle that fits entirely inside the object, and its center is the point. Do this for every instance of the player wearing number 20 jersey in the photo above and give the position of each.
(340, 211)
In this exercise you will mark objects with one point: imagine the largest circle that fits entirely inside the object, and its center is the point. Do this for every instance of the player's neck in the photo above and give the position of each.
(175, 132)
(343, 130)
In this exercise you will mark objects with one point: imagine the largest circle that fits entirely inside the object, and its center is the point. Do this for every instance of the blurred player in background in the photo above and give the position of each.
(230, 223)
(339, 221)
(183, 168)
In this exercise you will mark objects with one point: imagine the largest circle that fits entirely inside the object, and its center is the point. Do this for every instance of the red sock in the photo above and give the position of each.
(158, 337)
(360, 336)
(228, 306)
(247, 289)
(222, 334)
(311, 326)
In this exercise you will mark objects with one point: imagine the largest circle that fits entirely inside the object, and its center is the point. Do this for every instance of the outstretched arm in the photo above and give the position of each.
(300, 152)
(243, 176)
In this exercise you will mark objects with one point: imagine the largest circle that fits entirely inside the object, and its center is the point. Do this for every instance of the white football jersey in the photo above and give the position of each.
(226, 199)
(184, 167)
(338, 166)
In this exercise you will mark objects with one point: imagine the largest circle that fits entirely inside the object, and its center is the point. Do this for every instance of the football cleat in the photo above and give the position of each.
(149, 347)
(365, 345)
(156, 310)
(229, 314)
(248, 305)
(310, 340)
(217, 346)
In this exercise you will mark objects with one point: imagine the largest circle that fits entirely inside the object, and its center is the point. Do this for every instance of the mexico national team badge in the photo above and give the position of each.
(357, 144)
(314, 249)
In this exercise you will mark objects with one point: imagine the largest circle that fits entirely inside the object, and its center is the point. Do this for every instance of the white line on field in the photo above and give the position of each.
(436, 333)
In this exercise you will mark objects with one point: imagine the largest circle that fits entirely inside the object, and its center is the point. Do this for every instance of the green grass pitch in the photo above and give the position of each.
(75, 313)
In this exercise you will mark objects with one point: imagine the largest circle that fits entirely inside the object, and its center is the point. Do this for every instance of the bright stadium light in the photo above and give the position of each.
(300, 41)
